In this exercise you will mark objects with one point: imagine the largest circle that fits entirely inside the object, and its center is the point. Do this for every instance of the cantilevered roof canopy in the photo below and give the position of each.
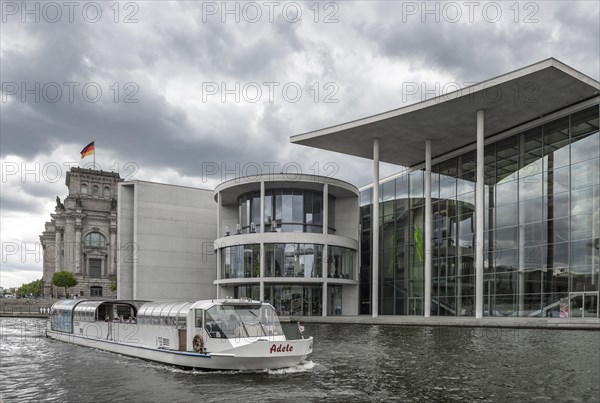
(449, 121)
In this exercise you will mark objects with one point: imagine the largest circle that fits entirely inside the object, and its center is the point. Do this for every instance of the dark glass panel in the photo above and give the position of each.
(556, 142)
(507, 158)
(317, 209)
(490, 165)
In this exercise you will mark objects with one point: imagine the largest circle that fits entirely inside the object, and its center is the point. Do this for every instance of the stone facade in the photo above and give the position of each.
(81, 237)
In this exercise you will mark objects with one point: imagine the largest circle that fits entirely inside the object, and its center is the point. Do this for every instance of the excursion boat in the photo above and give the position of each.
(224, 334)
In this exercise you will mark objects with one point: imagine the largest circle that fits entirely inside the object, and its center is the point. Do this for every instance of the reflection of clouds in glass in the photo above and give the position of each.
(464, 186)
(585, 148)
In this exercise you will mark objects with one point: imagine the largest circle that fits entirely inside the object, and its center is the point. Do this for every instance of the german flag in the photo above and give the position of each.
(88, 150)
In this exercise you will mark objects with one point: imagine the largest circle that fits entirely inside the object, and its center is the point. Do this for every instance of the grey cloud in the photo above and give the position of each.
(474, 52)
(154, 133)
(9, 202)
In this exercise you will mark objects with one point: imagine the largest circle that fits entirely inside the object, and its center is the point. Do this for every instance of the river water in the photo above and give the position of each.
(350, 363)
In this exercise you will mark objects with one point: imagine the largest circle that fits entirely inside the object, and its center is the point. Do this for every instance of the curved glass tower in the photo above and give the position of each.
(290, 241)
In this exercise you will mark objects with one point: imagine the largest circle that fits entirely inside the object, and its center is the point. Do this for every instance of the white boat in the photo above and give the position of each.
(231, 334)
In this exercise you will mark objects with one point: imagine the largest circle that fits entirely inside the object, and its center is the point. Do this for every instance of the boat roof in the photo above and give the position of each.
(151, 308)
(91, 304)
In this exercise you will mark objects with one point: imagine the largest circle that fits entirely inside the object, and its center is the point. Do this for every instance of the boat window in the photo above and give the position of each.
(61, 316)
(231, 321)
(156, 315)
(198, 318)
(168, 314)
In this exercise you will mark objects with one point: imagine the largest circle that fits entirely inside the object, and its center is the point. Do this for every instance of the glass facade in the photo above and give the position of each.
(298, 264)
(240, 261)
(291, 210)
(303, 300)
(340, 262)
(542, 226)
(293, 260)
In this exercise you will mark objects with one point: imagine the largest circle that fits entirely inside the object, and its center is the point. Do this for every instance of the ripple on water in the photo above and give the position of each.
(350, 363)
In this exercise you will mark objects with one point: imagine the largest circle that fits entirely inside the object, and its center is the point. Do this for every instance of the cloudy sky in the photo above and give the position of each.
(196, 92)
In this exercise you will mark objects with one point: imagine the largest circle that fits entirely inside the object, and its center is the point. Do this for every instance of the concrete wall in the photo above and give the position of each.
(230, 216)
(174, 229)
(125, 241)
(347, 214)
(349, 300)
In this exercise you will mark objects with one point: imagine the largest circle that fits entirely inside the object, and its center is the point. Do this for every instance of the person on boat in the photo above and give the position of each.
(107, 318)
(212, 327)
(233, 325)
(131, 319)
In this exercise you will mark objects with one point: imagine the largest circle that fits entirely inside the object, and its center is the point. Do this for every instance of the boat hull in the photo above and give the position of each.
(257, 355)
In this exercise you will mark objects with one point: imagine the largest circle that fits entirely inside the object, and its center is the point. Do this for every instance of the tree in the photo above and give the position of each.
(113, 285)
(64, 279)
(33, 289)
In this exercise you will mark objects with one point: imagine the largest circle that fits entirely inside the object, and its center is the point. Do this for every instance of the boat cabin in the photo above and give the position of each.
(67, 314)
(202, 326)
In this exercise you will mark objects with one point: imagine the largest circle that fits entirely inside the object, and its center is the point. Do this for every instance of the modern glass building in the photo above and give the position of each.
(498, 211)
(290, 240)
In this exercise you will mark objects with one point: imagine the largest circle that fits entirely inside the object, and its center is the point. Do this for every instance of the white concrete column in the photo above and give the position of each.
(375, 232)
(325, 270)
(219, 229)
(521, 270)
(428, 231)
(324, 298)
(262, 269)
(324, 274)
(326, 209)
(219, 234)
(325, 263)
(479, 211)
(458, 283)
(262, 207)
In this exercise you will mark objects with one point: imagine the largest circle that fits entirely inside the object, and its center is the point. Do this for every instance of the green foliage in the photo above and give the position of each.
(113, 285)
(64, 279)
(418, 237)
(34, 289)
